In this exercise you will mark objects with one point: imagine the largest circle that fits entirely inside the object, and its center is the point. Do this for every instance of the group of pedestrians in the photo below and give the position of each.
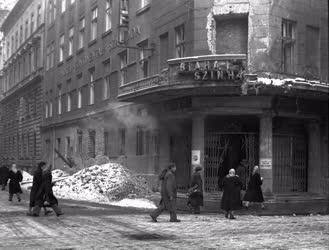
(235, 191)
(41, 195)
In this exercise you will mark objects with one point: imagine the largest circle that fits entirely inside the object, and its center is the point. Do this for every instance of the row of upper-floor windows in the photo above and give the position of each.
(23, 31)
(62, 5)
(22, 67)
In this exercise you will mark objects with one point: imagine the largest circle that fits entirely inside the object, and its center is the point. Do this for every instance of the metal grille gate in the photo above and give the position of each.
(216, 144)
(289, 163)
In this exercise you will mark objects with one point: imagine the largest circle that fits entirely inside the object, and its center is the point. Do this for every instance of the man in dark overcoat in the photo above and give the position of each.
(195, 199)
(231, 199)
(35, 193)
(4, 173)
(168, 195)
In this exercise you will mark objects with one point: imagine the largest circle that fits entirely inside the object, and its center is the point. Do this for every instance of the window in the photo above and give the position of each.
(122, 141)
(81, 33)
(79, 146)
(63, 6)
(59, 100)
(92, 75)
(93, 27)
(71, 36)
(288, 45)
(92, 144)
(140, 141)
(50, 57)
(143, 59)
(61, 48)
(123, 67)
(68, 146)
(26, 29)
(69, 102)
(46, 110)
(50, 109)
(106, 87)
(108, 15)
(180, 41)
(58, 145)
(16, 40)
(21, 34)
(124, 15)
(32, 23)
(52, 11)
(32, 59)
(143, 3)
(39, 15)
(79, 98)
(106, 143)
(164, 50)
(92, 93)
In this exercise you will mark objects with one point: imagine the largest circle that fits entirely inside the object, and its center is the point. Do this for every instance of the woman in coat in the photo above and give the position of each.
(254, 191)
(15, 177)
(231, 199)
(195, 199)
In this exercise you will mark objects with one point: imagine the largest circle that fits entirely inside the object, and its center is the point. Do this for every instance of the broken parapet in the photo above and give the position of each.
(222, 7)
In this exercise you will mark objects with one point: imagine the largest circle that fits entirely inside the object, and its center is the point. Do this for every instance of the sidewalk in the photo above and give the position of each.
(89, 225)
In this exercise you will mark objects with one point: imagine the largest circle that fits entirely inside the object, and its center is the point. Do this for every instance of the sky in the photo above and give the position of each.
(7, 4)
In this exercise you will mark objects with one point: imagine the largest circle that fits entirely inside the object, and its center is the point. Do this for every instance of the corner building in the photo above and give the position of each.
(194, 82)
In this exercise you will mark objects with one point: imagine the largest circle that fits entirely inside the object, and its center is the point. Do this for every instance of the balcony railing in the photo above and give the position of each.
(214, 69)
(28, 79)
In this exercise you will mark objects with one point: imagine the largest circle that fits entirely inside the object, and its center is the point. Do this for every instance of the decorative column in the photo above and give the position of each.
(197, 153)
(314, 157)
(265, 152)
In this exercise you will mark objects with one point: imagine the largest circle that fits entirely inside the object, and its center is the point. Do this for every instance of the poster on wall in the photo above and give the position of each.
(195, 157)
(265, 163)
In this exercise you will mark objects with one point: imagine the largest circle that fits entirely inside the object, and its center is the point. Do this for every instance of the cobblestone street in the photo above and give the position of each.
(90, 226)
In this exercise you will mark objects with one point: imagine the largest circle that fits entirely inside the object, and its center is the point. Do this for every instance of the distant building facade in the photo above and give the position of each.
(21, 101)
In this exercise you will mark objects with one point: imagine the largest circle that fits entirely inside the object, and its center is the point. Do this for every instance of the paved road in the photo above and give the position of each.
(92, 226)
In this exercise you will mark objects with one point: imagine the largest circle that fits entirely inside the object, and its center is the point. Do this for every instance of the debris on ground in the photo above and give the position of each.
(27, 177)
(102, 183)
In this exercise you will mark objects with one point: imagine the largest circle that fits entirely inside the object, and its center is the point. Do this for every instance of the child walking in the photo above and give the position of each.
(15, 177)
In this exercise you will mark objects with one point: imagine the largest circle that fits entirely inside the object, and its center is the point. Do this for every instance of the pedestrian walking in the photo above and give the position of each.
(45, 196)
(231, 199)
(195, 196)
(254, 191)
(15, 177)
(36, 186)
(168, 194)
(4, 173)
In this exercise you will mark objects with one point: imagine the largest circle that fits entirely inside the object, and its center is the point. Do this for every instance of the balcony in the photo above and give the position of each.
(209, 74)
(30, 79)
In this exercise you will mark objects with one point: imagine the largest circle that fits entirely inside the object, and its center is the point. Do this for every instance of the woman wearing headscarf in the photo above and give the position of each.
(254, 191)
(195, 199)
(231, 199)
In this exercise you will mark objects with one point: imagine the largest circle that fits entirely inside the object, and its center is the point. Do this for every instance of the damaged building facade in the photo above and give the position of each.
(210, 82)
(236, 80)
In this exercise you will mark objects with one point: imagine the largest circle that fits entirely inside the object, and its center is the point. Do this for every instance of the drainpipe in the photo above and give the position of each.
(53, 150)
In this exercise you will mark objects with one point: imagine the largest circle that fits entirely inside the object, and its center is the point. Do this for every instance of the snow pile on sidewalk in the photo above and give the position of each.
(104, 183)
(58, 173)
(27, 177)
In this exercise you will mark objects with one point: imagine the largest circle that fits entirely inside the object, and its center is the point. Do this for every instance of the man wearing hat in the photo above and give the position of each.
(195, 199)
